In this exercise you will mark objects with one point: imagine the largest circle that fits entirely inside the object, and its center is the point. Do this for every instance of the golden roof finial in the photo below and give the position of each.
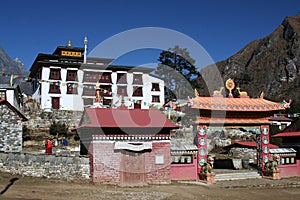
(196, 93)
(230, 86)
(69, 43)
(262, 94)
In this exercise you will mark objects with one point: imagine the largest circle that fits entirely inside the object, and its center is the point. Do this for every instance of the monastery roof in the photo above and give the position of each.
(126, 118)
(236, 104)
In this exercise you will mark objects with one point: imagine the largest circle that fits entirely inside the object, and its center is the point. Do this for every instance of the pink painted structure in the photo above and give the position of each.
(184, 171)
(127, 146)
(290, 170)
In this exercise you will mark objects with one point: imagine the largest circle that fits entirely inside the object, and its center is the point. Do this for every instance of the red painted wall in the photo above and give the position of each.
(158, 173)
(105, 163)
(184, 171)
(290, 170)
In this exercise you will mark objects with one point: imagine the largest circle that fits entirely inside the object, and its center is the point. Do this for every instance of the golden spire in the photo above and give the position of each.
(69, 43)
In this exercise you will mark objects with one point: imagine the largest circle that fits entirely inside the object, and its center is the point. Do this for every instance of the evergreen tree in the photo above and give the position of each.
(177, 69)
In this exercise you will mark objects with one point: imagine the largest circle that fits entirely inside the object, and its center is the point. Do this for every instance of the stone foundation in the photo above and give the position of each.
(49, 166)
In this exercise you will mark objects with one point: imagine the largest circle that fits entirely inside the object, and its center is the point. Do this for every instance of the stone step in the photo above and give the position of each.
(237, 176)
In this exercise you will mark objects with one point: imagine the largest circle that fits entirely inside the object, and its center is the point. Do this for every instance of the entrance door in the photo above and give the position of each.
(137, 106)
(132, 168)
(55, 102)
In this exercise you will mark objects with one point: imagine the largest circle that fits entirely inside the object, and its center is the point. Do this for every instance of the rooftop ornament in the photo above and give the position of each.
(230, 86)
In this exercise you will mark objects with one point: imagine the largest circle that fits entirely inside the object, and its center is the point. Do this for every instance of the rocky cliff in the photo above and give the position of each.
(270, 64)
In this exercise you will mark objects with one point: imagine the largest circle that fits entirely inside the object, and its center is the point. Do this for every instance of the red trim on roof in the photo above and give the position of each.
(127, 118)
(227, 120)
(287, 134)
(250, 144)
(285, 119)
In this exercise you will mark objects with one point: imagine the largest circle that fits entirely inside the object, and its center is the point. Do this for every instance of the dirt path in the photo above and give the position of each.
(38, 188)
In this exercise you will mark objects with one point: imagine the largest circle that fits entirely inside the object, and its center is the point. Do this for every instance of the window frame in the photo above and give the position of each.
(154, 97)
(72, 88)
(55, 74)
(54, 89)
(70, 73)
(121, 78)
(155, 87)
(119, 91)
(137, 91)
(137, 79)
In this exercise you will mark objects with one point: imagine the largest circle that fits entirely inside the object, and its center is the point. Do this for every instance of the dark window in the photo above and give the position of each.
(54, 88)
(88, 102)
(72, 75)
(122, 78)
(122, 90)
(55, 102)
(105, 90)
(105, 77)
(137, 91)
(155, 99)
(89, 90)
(155, 87)
(72, 88)
(137, 105)
(92, 77)
(55, 74)
(138, 79)
(3, 95)
(107, 102)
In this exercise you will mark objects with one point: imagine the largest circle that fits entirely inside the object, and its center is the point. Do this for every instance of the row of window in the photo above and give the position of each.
(102, 77)
(106, 91)
(287, 160)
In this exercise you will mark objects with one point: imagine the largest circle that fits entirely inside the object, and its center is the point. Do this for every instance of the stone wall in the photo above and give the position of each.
(10, 130)
(40, 121)
(42, 165)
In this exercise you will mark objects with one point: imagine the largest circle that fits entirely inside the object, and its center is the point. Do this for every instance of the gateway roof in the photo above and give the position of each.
(236, 104)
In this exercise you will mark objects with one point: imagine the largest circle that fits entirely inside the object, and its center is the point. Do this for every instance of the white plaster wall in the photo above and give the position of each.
(10, 97)
(75, 101)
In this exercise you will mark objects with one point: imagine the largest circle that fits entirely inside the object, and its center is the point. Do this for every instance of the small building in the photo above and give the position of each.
(10, 127)
(127, 146)
(12, 94)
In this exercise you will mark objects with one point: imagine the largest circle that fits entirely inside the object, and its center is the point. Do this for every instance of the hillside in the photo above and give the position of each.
(270, 64)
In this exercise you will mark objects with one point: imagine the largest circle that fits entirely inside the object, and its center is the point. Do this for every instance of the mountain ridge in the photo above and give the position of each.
(270, 65)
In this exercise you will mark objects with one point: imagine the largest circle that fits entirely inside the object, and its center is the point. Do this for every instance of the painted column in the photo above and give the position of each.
(202, 146)
(263, 149)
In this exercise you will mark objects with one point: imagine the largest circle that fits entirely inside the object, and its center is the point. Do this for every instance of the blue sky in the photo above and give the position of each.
(221, 27)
